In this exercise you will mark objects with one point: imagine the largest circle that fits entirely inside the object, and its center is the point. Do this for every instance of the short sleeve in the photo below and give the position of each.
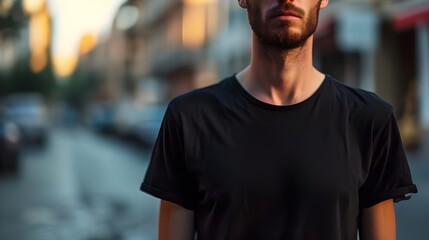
(389, 176)
(167, 176)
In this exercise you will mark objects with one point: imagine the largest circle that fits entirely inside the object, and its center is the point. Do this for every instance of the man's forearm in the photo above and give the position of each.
(175, 222)
(378, 222)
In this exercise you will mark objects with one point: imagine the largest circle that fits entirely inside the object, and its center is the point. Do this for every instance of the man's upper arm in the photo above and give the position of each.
(175, 222)
(378, 222)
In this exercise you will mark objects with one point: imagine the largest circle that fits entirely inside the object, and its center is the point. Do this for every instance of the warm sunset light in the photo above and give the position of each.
(39, 39)
(194, 26)
(38, 61)
(39, 31)
(199, 22)
(87, 43)
(74, 19)
(64, 65)
(32, 6)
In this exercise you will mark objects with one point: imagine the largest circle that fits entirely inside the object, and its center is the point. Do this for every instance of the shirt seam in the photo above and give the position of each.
(267, 106)
(396, 194)
(171, 197)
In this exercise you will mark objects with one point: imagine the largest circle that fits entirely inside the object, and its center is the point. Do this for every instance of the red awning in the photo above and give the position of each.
(408, 18)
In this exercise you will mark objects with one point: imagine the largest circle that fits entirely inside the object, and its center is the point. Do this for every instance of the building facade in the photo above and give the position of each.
(381, 46)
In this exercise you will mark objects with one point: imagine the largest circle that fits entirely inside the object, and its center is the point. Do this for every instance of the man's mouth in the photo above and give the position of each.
(286, 11)
(286, 14)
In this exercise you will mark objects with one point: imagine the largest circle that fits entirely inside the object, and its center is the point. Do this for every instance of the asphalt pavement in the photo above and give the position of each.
(81, 186)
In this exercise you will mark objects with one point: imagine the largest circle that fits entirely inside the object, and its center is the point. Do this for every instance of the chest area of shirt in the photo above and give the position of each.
(276, 158)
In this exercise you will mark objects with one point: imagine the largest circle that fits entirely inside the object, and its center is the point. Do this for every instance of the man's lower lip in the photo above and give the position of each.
(286, 17)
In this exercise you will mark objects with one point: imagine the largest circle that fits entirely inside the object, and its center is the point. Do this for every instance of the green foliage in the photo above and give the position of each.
(22, 79)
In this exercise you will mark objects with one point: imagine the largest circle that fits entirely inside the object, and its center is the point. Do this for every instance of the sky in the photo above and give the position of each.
(74, 18)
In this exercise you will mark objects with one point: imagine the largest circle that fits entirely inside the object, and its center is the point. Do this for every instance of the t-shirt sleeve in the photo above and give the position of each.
(389, 176)
(168, 176)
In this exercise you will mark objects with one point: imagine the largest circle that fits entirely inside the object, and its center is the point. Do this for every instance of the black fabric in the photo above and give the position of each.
(251, 170)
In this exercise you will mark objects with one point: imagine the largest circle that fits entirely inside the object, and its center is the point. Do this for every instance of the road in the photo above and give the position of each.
(81, 186)
(84, 186)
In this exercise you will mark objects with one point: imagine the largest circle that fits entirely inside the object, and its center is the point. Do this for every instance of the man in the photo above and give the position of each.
(280, 150)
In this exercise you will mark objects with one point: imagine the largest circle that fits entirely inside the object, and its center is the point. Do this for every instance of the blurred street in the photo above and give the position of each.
(83, 185)
(105, 70)
(80, 186)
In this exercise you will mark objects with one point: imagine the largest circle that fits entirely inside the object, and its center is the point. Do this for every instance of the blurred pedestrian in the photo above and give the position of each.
(279, 150)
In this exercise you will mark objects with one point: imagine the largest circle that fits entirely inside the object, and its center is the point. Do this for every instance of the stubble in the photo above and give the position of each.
(282, 37)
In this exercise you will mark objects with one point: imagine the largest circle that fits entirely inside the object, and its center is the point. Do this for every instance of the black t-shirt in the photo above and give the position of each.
(252, 170)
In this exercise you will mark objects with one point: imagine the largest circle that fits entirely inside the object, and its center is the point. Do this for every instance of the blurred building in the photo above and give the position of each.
(14, 35)
(381, 46)
(409, 25)
(25, 40)
(177, 35)
(114, 61)
(231, 48)
(137, 58)
(159, 49)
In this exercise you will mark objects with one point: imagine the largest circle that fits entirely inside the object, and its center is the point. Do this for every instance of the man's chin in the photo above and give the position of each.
(283, 41)
(282, 45)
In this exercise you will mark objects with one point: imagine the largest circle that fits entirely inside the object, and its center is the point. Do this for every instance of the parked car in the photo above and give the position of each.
(100, 117)
(28, 111)
(125, 118)
(148, 124)
(9, 147)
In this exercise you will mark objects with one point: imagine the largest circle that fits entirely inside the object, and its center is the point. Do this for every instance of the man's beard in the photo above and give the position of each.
(283, 38)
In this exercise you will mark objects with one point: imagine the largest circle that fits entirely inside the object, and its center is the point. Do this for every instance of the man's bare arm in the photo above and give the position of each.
(378, 222)
(175, 222)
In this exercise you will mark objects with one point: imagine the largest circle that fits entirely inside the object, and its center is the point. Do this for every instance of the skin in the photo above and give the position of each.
(281, 76)
(281, 72)
(175, 222)
(378, 222)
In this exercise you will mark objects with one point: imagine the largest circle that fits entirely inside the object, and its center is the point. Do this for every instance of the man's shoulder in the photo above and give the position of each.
(201, 97)
(361, 102)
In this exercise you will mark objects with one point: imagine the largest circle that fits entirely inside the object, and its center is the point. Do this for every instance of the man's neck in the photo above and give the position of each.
(281, 77)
